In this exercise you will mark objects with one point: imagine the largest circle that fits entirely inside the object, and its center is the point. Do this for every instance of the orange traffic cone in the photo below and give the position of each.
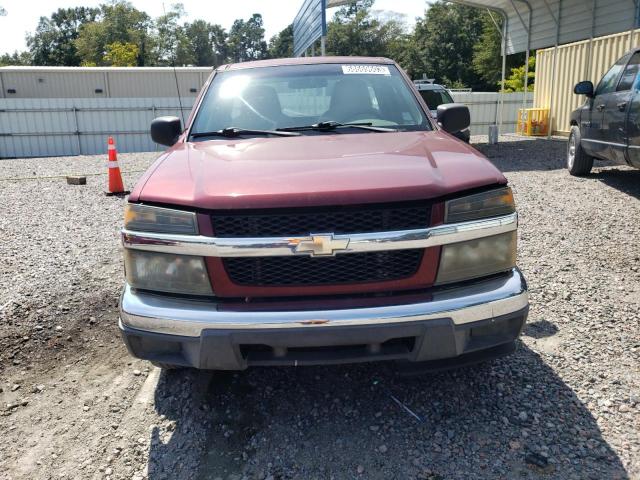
(116, 187)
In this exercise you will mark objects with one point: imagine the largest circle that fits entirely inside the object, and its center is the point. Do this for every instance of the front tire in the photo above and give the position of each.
(578, 162)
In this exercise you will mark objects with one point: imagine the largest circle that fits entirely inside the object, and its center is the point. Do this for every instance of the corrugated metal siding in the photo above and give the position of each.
(614, 16)
(577, 20)
(516, 34)
(139, 84)
(543, 26)
(60, 82)
(59, 126)
(585, 60)
(52, 84)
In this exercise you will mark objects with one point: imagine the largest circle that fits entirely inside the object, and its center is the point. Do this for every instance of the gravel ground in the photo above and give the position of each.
(566, 405)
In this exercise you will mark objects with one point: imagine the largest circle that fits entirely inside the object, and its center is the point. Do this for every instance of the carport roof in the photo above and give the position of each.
(533, 24)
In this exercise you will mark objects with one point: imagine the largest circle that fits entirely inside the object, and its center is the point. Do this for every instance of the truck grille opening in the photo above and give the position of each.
(257, 354)
(349, 268)
(335, 219)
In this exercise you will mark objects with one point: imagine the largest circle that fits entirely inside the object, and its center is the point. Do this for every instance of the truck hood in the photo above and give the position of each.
(315, 170)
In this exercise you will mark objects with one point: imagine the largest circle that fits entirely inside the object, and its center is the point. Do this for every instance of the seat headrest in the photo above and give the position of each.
(350, 93)
(264, 99)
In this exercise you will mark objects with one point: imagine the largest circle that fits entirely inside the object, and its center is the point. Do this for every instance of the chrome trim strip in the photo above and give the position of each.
(482, 300)
(602, 142)
(283, 246)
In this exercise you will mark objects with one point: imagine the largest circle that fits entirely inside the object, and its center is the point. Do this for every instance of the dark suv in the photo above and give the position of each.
(607, 126)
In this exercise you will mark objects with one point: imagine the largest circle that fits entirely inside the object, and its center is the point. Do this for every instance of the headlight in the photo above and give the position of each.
(482, 205)
(144, 218)
(477, 258)
(165, 272)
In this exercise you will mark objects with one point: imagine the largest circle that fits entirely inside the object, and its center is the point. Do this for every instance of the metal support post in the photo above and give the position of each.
(77, 129)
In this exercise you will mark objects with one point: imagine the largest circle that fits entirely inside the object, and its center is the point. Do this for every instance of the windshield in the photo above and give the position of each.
(435, 98)
(271, 98)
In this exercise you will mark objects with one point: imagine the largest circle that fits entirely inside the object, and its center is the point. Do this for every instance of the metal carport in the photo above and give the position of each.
(532, 24)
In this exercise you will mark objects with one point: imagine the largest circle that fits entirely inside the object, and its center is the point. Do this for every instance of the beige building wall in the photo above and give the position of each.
(559, 69)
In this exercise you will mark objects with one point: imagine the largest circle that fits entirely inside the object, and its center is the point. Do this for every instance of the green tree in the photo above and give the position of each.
(169, 35)
(118, 22)
(515, 81)
(281, 44)
(198, 43)
(122, 54)
(487, 52)
(246, 39)
(53, 42)
(356, 30)
(202, 44)
(15, 59)
(444, 42)
(396, 38)
(350, 10)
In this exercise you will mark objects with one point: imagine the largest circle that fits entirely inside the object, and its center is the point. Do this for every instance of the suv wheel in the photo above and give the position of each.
(578, 162)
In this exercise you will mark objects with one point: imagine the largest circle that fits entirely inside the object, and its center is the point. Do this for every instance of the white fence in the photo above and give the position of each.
(40, 127)
(485, 109)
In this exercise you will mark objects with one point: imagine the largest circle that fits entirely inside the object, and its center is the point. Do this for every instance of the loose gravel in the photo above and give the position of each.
(566, 405)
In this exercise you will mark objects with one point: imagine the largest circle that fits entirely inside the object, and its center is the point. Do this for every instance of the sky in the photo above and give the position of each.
(22, 15)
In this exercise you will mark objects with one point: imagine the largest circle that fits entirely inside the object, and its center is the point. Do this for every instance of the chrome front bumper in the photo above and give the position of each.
(482, 300)
(455, 323)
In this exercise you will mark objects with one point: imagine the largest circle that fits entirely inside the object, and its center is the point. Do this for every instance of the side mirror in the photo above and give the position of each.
(453, 117)
(584, 88)
(166, 130)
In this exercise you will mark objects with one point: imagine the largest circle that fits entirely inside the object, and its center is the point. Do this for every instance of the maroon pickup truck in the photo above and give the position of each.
(312, 211)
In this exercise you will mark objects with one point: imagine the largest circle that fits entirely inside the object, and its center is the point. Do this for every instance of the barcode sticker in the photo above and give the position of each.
(365, 70)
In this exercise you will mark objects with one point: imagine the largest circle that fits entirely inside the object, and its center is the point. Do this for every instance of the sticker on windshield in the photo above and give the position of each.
(365, 70)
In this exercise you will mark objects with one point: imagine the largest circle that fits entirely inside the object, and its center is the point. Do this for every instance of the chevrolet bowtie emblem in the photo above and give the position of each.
(320, 245)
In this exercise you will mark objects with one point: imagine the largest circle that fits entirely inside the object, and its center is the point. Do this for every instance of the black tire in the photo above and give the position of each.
(578, 162)
(167, 366)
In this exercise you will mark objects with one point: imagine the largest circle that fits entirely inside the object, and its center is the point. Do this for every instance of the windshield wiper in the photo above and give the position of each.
(231, 132)
(331, 125)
